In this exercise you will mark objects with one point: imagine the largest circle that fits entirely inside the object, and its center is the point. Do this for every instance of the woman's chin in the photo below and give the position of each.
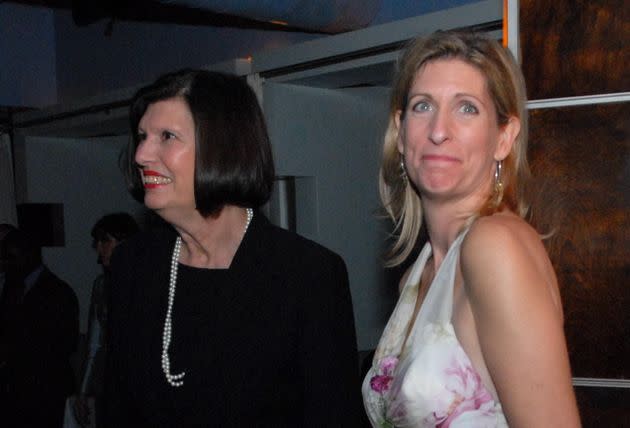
(154, 200)
(152, 205)
(159, 207)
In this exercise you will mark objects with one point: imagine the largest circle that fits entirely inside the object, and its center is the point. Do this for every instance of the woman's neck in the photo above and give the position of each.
(211, 242)
(444, 220)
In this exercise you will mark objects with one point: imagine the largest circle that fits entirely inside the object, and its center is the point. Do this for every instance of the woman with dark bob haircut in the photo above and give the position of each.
(233, 162)
(222, 319)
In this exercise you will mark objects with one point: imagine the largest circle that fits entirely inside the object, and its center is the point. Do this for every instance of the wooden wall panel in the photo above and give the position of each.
(604, 407)
(575, 47)
(580, 160)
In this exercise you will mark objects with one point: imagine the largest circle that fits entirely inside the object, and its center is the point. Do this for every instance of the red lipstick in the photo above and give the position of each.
(150, 173)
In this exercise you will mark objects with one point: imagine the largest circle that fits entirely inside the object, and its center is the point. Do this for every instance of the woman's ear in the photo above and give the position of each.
(507, 137)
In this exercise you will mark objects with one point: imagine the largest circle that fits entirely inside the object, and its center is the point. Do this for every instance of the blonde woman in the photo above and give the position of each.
(476, 338)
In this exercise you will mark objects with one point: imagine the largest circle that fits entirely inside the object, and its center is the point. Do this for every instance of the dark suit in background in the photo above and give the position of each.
(40, 327)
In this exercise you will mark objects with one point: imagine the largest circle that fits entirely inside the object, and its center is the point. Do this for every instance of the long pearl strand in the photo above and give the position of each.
(175, 380)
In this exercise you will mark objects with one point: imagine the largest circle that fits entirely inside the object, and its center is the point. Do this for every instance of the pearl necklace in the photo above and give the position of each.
(175, 380)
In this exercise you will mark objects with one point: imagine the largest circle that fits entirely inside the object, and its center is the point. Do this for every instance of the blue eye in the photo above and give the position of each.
(468, 108)
(422, 106)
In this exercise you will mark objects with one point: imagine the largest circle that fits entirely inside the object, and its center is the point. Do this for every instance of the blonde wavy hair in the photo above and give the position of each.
(506, 87)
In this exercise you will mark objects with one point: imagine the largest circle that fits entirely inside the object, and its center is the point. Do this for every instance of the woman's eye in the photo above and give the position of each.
(469, 108)
(141, 136)
(422, 106)
(167, 135)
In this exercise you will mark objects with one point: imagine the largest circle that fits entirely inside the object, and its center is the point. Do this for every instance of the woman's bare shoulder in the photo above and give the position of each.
(504, 249)
(501, 235)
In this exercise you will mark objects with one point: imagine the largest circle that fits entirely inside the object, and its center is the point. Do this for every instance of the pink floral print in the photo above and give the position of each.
(381, 382)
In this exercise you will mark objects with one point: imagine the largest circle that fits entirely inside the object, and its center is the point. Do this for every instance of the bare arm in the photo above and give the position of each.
(513, 295)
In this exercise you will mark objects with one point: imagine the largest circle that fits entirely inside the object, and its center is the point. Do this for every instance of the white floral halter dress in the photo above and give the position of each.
(432, 383)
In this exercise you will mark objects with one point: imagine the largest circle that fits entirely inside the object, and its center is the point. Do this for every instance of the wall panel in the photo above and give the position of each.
(574, 56)
(580, 161)
(575, 47)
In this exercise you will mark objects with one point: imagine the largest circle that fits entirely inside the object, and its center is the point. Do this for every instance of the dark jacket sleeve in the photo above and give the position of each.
(328, 347)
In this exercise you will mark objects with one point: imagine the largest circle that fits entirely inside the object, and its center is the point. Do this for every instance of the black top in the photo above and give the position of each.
(268, 342)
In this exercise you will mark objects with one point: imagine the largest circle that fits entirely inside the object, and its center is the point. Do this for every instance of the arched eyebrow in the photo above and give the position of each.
(420, 94)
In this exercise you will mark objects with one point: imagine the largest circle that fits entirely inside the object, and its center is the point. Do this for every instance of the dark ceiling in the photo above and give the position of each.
(86, 12)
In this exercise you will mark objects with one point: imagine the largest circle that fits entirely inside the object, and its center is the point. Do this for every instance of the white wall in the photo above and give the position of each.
(334, 137)
(83, 175)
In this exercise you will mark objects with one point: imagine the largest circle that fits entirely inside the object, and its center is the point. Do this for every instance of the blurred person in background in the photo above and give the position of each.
(107, 233)
(40, 333)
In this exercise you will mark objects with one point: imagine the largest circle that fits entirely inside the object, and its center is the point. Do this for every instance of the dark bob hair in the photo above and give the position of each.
(233, 160)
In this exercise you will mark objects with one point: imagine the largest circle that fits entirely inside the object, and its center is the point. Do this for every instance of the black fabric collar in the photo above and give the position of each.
(257, 247)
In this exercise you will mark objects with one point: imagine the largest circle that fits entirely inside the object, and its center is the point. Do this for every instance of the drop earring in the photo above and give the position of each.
(498, 183)
(403, 170)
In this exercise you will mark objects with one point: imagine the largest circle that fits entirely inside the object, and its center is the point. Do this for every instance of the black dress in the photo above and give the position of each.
(268, 342)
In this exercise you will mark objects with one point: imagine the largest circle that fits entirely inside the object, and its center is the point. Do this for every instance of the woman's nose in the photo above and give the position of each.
(440, 129)
(145, 152)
